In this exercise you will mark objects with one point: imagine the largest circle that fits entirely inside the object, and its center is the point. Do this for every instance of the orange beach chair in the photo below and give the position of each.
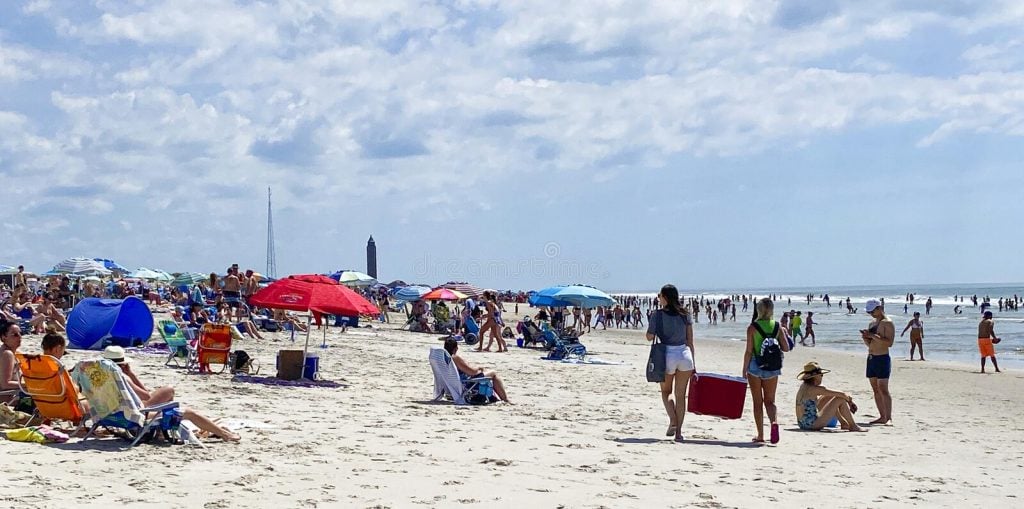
(44, 378)
(214, 346)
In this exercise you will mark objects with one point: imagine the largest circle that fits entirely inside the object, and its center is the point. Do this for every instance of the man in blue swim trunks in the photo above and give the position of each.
(879, 337)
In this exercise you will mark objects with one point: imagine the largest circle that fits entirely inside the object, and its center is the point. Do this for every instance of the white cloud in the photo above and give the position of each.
(186, 105)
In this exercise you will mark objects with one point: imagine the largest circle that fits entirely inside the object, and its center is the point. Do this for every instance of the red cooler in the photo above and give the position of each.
(717, 395)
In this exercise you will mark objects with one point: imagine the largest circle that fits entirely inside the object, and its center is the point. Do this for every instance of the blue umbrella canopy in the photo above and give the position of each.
(584, 296)
(111, 265)
(546, 297)
(411, 293)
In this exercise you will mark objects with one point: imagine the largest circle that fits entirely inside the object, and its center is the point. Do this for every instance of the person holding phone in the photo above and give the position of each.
(879, 338)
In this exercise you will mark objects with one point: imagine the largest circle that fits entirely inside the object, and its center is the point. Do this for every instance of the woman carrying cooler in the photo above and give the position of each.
(763, 383)
(672, 326)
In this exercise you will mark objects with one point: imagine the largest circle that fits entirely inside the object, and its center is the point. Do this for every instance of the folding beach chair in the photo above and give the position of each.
(531, 333)
(213, 347)
(114, 406)
(49, 385)
(178, 343)
(449, 382)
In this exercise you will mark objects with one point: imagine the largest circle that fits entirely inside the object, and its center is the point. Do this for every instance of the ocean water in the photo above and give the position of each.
(948, 336)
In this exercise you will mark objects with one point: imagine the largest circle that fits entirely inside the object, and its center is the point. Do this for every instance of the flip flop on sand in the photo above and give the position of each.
(775, 433)
(671, 430)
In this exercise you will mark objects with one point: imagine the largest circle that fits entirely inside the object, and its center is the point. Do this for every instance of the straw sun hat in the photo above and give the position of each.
(811, 369)
(115, 354)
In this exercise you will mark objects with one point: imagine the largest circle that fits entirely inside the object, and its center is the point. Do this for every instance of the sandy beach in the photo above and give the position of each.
(577, 436)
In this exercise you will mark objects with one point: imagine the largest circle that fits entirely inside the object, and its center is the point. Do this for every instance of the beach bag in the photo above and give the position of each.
(771, 353)
(656, 359)
(241, 362)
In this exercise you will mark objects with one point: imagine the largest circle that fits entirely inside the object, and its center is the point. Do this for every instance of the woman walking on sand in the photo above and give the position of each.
(761, 375)
(672, 326)
(492, 323)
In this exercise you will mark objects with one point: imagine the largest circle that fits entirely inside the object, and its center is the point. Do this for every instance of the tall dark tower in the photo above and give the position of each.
(371, 257)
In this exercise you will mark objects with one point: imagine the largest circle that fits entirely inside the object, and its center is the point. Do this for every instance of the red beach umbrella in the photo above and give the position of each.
(312, 292)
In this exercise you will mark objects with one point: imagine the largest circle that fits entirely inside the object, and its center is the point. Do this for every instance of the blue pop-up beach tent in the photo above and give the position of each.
(95, 323)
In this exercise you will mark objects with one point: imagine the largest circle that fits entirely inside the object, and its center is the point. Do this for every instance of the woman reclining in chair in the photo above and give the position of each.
(162, 395)
(470, 371)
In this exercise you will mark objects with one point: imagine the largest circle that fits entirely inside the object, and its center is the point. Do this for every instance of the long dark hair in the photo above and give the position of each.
(671, 295)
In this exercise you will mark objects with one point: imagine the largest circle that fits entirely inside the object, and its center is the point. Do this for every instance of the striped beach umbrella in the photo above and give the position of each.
(144, 273)
(445, 294)
(464, 288)
(80, 267)
(189, 278)
(411, 293)
(353, 278)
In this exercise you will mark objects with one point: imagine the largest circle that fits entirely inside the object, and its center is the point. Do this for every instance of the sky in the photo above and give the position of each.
(710, 144)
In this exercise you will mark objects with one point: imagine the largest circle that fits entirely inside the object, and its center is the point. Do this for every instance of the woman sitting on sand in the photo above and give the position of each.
(816, 406)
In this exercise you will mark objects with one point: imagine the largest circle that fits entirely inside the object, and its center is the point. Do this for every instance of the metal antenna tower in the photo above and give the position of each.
(271, 257)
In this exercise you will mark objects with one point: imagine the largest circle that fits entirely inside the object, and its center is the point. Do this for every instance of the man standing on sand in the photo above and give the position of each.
(19, 277)
(879, 337)
(232, 291)
(986, 339)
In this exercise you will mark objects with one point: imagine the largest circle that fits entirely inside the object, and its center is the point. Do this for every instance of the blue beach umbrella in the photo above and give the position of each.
(111, 265)
(546, 297)
(584, 296)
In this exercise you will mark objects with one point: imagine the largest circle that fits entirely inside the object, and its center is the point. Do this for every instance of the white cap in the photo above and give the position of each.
(871, 305)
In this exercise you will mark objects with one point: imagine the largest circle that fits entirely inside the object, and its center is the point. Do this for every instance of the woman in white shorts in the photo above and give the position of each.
(672, 326)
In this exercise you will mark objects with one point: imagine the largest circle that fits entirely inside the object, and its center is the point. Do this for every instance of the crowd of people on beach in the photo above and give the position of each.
(668, 318)
(766, 343)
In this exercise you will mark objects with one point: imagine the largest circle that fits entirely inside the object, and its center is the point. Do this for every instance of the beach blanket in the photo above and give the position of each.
(589, 360)
(152, 350)
(102, 384)
(269, 380)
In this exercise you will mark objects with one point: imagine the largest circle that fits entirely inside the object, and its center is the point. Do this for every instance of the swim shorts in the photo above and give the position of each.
(879, 366)
(234, 299)
(985, 347)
